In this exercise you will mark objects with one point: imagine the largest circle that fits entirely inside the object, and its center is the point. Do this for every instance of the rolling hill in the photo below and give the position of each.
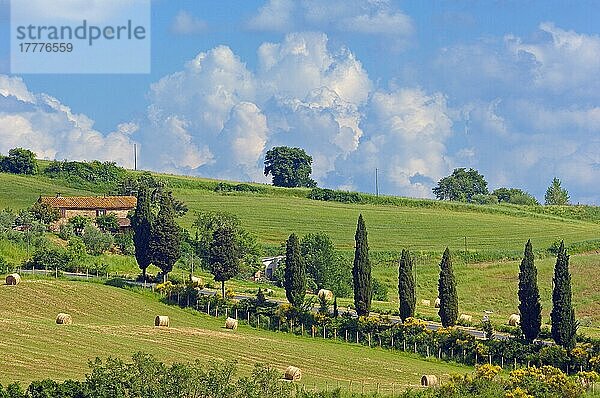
(110, 321)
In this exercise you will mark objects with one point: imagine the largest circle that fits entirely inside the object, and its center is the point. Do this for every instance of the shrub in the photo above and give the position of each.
(108, 223)
(66, 231)
(52, 257)
(96, 241)
(125, 244)
(380, 290)
(482, 199)
(334, 196)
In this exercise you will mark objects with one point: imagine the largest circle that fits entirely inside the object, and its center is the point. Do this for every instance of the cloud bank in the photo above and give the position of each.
(494, 106)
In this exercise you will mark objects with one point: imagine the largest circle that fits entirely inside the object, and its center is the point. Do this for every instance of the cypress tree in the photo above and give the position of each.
(361, 272)
(295, 272)
(224, 259)
(142, 230)
(564, 325)
(165, 241)
(447, 292)
(406, 286)
(529, 296)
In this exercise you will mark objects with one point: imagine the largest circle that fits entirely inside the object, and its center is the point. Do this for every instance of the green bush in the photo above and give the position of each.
(96, 242)
(380, 290)
(50, 258)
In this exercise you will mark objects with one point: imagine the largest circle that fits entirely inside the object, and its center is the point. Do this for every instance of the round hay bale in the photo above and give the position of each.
(64, 319)
(325, 294)
(465, 318)
(429, 380)
(293, 373)
(231, 323)
(514, 320)
(13, 279)
(438, 302)
(161, 320)
(426, 303)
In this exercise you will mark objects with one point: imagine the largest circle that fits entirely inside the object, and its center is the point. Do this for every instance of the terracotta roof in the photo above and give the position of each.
(90, 202)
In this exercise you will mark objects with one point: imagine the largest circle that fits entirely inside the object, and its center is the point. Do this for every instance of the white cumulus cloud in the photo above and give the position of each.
(41, 123)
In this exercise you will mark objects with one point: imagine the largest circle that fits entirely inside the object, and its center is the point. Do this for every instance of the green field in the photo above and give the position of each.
(109, 321)
(419, 225)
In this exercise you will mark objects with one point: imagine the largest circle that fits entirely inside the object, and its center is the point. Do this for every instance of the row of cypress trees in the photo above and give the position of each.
(564, 325)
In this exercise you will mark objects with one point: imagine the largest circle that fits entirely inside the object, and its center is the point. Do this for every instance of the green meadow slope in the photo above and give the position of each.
(416, 224)
(110, 321)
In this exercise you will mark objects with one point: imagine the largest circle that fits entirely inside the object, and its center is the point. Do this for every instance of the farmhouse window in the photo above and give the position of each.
(100, 212)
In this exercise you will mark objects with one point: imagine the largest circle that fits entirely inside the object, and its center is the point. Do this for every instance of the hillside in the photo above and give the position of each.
(273, 213)
(109, 321)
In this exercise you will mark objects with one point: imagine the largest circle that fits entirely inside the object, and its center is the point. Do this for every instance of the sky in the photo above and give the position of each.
(413, 89)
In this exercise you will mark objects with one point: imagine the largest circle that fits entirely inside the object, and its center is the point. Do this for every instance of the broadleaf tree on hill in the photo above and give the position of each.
(406, 286)
(564, 325)
(361, 271)
(295, 272)
(165, 241)
(530, 307)
(447, 292)
(290, 167)
(461, 185)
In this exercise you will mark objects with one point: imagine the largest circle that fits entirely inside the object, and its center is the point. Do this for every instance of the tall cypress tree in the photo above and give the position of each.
(165, 242)
(361, 272)
(406, 286)
(447, 292)
(295, 272)
(141, 222)
(529, 296)
(224, 257)
(564, 325)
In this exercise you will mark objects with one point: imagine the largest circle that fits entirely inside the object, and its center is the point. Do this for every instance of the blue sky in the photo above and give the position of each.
(414, 89)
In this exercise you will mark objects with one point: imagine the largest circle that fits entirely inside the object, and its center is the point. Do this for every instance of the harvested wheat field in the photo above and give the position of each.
(35, 347)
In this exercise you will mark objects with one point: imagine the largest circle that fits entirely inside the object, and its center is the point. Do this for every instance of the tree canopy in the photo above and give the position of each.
(19, 161)
(361, 271)
(141, 222)
(529, 296)
(564, 325)
(290, 167)
(165, 240)
(224, 256)
(447, 292)
(556, 194)
(515, 196)
(461, 185)
(406, 286)
(295, 272)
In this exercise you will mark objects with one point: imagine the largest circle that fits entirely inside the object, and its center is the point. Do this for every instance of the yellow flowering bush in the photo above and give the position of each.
(487, 372)
(595, 363)
(518, 393)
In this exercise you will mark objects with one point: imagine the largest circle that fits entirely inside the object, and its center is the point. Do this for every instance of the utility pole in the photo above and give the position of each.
(135, 157)
(376, 182)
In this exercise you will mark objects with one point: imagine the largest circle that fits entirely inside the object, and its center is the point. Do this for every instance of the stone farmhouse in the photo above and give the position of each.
(92, 207)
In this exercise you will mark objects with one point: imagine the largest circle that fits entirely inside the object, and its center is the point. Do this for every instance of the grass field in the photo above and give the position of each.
(274, 215)
(109, 321)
